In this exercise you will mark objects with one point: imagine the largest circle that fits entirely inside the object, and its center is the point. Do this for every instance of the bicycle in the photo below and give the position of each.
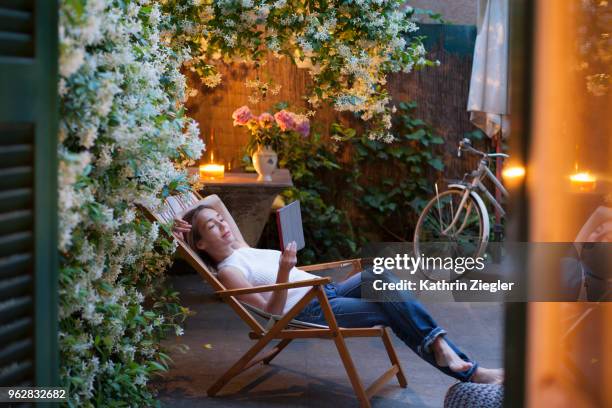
(442, 229)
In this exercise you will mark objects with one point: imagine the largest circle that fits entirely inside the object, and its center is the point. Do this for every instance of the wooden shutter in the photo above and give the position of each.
(28, 198)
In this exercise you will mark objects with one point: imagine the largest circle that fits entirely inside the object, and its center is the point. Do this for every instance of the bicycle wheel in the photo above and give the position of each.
(436, 236)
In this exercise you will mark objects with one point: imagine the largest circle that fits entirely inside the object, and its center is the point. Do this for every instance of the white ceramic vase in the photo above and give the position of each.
(264, 161)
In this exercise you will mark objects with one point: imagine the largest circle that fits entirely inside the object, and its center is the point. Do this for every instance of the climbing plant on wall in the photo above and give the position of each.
(124, 139)
(348, 47)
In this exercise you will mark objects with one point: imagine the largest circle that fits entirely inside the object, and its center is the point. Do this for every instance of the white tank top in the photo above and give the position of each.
(260, 267)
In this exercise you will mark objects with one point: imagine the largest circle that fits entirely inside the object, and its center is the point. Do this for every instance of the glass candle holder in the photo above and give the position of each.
(212, 171)
(583, 182)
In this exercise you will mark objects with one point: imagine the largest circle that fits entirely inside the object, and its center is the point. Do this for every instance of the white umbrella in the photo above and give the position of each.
(488, 97)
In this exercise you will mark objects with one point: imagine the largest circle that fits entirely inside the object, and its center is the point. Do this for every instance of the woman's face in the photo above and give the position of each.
(213, 229)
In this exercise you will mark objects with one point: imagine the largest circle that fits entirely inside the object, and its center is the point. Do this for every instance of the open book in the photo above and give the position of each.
(289, 223)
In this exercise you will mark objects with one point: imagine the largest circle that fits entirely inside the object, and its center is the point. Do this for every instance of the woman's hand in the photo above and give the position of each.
(180, 227)
(288, 259)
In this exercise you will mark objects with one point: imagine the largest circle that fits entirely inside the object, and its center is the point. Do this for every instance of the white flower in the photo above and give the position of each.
(141, 379)
(155, 15)
(70, 61)
(411, 27)
(88, 137)
(212, 80)
(154, 233)
(388, 138)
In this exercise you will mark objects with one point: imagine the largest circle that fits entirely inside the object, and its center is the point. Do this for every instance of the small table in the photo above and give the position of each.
(248, 200)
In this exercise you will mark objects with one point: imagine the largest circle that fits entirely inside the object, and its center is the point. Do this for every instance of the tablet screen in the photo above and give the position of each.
(289, 222)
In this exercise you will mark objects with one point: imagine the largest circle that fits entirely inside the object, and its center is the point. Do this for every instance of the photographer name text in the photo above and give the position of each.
(475, 285)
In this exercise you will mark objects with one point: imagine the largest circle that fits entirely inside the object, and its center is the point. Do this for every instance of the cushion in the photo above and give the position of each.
(472, 395)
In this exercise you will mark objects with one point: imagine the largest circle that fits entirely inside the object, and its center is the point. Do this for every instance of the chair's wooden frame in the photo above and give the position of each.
(282, 329)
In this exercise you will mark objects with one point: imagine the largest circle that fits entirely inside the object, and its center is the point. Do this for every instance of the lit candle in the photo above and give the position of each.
(583, 181)
(212, 171)
(513, 173)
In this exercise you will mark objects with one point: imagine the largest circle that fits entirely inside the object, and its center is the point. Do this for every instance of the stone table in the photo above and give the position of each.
(248, 200)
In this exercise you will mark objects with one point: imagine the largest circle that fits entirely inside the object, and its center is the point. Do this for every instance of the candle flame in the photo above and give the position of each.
(583, 177)
(212, 167)
(514, 172)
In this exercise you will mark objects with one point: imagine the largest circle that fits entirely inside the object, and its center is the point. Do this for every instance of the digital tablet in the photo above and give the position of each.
(289, 223)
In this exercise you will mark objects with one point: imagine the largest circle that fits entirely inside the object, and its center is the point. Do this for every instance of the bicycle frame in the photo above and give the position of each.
(477, 176)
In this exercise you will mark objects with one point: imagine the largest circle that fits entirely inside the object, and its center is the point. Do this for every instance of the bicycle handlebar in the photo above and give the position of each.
(466, 144)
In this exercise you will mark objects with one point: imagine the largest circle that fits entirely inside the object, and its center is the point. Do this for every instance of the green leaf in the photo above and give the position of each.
(416, 135)
(436, 164)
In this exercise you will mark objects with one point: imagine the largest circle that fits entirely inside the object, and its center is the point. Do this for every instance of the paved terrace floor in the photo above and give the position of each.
(309, 373)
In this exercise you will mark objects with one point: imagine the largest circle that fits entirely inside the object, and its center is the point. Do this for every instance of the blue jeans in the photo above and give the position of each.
(406, 317)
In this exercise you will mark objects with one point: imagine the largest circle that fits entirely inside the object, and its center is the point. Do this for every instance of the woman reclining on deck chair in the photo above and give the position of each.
(241, 266)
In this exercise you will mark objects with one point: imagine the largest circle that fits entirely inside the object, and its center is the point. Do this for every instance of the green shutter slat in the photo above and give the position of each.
(15, 330)
(15, 221)
(15, 265)
(16, 155)
(15, 243)
(16, 44)
(16, 133)
(28, 192)
(15, 20)
(22, 5)
(14, 308)
(16, 177)
(15, 373)
(11, 200)
(16, 286)
(15, 351)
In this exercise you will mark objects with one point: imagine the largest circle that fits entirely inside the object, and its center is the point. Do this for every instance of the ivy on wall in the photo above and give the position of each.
(393, 182)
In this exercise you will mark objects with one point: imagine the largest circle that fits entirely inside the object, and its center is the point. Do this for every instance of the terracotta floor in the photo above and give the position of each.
(309, 373)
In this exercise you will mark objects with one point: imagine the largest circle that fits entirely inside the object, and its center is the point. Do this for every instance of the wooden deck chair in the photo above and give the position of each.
(283, 328)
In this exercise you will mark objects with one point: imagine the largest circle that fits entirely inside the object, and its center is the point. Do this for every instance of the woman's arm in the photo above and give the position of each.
(233, 278)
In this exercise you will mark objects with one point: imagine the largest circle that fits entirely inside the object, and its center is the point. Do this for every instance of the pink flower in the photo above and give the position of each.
(285, 120)
(303, 126)
(242, 115)
(266, 120)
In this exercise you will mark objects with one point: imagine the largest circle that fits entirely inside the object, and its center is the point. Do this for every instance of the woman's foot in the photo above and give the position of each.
(446, 357)
(488, 376)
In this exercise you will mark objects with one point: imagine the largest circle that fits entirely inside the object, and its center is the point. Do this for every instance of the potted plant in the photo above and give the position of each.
(267, 131)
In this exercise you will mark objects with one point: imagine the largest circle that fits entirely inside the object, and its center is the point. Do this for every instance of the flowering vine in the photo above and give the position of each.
(348, 46)
(124, 139)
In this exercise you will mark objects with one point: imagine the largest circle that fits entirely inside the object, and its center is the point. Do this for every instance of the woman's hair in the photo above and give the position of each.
(194, 235)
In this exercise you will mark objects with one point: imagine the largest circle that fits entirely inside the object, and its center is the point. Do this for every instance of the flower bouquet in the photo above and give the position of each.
(267, 133)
